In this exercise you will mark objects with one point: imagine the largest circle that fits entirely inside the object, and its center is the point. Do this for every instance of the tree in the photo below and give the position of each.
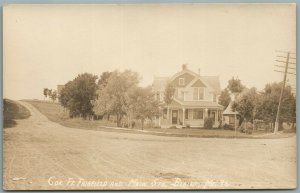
(224, 98)
(45, 92)
(101, 105)
(268, 107)
(142, 104)
(103, 80)
(53, 96)
(235, 85)
(246, 104)
(118, 86)
(77, 95)
(49, 93)
(169, 93)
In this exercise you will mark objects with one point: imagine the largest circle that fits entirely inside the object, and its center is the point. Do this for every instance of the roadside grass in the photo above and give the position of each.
(12, 111)
(56, 113)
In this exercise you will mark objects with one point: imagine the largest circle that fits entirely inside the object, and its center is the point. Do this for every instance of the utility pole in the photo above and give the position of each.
(287, 62)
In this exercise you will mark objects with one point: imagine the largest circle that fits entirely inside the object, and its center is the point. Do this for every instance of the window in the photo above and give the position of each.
(181, 81)
(186, 114)
(198, 93)
(198, 114)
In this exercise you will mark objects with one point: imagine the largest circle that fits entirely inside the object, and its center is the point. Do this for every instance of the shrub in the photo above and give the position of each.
(227, 127)
(208, 123)
(246, 127)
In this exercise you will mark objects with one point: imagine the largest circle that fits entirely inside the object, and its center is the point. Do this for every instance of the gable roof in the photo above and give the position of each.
(212, 82)
(198, 83)
(229, 111)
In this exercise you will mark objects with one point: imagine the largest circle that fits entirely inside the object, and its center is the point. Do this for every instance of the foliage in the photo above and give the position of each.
(45, 92)
(142, 104)
(267, 109)
(113, 97)
(246, 104)
(104, 77)
(169, 93)
(53, 96)
(77, 95)
(235, 85)
(49, 93)
(246, 127)
(208, 123)
(224, 98)
(12, 111)
(101, 106)
(228, 127)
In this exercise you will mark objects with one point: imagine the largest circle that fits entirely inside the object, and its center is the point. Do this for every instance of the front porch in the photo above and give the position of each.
(188, 117)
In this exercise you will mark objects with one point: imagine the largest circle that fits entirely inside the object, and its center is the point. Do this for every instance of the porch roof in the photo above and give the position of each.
(194, 104)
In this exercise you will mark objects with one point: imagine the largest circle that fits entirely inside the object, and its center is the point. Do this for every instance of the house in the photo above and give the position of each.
(195, 99)
(230, 117)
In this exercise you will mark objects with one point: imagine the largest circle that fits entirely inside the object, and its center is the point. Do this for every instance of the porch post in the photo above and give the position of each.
(183, 116)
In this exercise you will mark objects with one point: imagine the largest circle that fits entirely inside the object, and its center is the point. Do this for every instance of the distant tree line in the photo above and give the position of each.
(48, 93)
(252, 104)
(114, 93)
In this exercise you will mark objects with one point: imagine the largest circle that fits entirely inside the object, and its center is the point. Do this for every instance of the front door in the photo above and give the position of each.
(174, 117)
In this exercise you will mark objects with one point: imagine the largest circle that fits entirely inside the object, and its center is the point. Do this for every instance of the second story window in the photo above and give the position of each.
(181, 81)
(198, 94)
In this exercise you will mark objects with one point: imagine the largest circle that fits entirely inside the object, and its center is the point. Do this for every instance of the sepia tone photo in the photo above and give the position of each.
(149, 96)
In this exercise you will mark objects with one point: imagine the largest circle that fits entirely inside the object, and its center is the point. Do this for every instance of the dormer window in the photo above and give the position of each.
(181, 81)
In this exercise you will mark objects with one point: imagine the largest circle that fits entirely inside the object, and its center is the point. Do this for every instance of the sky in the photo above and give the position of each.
(47, 45)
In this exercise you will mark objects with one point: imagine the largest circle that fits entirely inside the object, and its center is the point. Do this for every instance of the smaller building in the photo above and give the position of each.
(231, 117)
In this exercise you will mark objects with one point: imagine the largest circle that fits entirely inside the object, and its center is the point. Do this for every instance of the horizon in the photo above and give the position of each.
(49, 45)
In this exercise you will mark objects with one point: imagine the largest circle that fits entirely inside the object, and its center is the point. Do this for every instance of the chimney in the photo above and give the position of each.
(184, 66)
(199, 71)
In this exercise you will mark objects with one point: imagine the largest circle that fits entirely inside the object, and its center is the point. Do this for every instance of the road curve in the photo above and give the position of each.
(42, 155)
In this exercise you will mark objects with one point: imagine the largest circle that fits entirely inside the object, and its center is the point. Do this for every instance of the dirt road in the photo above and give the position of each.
(40, 154)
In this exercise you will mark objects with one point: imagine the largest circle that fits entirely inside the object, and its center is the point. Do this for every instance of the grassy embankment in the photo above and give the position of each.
(56, 113)
(12, 111)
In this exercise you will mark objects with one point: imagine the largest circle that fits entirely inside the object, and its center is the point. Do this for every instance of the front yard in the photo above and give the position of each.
(54, 112)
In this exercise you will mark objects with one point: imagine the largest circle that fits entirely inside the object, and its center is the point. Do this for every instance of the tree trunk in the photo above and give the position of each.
(143, 124)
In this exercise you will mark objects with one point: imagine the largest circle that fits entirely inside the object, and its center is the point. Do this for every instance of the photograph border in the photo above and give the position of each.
(4, 2)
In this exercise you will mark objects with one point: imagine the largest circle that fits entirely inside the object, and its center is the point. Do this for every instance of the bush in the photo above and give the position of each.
(208, 123)
(246, 127)
(227, 127)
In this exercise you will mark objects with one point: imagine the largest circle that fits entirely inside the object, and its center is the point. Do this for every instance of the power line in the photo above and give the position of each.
(284, 67)
(285, 72)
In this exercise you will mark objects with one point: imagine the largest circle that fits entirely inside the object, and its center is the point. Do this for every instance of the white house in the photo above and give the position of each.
(196, 98)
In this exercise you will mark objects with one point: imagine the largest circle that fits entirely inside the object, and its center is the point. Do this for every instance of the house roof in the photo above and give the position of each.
(160, 83)
(214, 82)
(229, 111)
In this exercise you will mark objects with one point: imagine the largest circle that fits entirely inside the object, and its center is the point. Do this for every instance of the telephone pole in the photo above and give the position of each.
(286, 67)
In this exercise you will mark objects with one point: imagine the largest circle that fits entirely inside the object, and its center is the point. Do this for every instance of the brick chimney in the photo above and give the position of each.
(184, 66)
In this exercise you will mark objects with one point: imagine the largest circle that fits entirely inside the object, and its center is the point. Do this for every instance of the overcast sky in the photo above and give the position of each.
(46, 45)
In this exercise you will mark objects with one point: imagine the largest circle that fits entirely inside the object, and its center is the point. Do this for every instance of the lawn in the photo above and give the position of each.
(13, 111)
(56, 113)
